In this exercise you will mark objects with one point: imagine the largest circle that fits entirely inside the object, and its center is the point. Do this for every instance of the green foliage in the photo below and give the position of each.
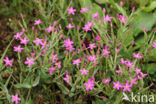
(35, 85)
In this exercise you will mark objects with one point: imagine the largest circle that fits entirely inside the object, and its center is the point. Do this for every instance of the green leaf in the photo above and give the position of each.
(23, 85)
(102, 1)
(151, 68)
(150, 7)
(85, 3)
(143, 19)
(36, 82)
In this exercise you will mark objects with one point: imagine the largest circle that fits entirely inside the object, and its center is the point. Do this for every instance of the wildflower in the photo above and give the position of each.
(68, 43)
(154, 45)
(143, 75)
(38, 41)
(90, 23)
(86, 28)
(24, 40)
(122, 61)
(103, 10)
(37, 22)
(133, 81)
(83, 10)
(18, 35)
(106, 52)
(54, 58)
(138, 77)
(51, 70)
(106, 81)
(91, 46)
(89, 85)
(70, 48)
(96, 15)
(137, 71)
(67, 78)
(119, 71)
(138, 56)
(61, 35)
(69, 26)
(93, 58)
(71, 11)
(127, 87)
(97, 38)
(58, 64)
(107, 18)
(84, 71)
(7, 61)
(121, 18)
(77, 62)
(117, 50)
(15, 98)
(78, 51)
(129, 64)
(121, 3)
(116, 85)
(50, 28)
(29, 61)
(18, 48)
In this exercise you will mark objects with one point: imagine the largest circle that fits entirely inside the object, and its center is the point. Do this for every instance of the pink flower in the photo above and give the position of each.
(29, 61)
(61, 35)
(86, 28)
(77, 62)
(18, 49)
(93, 58)
(106, 81)
(97, 38)
(133, 81)
(71, 11)
(37, 22)
(89, 85)
(154, 45)
(143, 75)
(18, 35)
(67, 78)
(116, 85)
(127, 87)
(90, 23)
(122, 19)
(69, 26)
(58, 64)
(84, 71)
(117, 50)
(96, 15)
(51, 70)
(24, 40)
(107, 18)
(122, 61)
(7, 61)
(54, 58)
(68, 43)
(121, 3)
(138, 56)
(83, 10)
(38, 41)
(15, 98)
(91, 46)
(129, 64)
(137, 71)
(119, 71)
(50, 28)
(70, 48)
(106, 52)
